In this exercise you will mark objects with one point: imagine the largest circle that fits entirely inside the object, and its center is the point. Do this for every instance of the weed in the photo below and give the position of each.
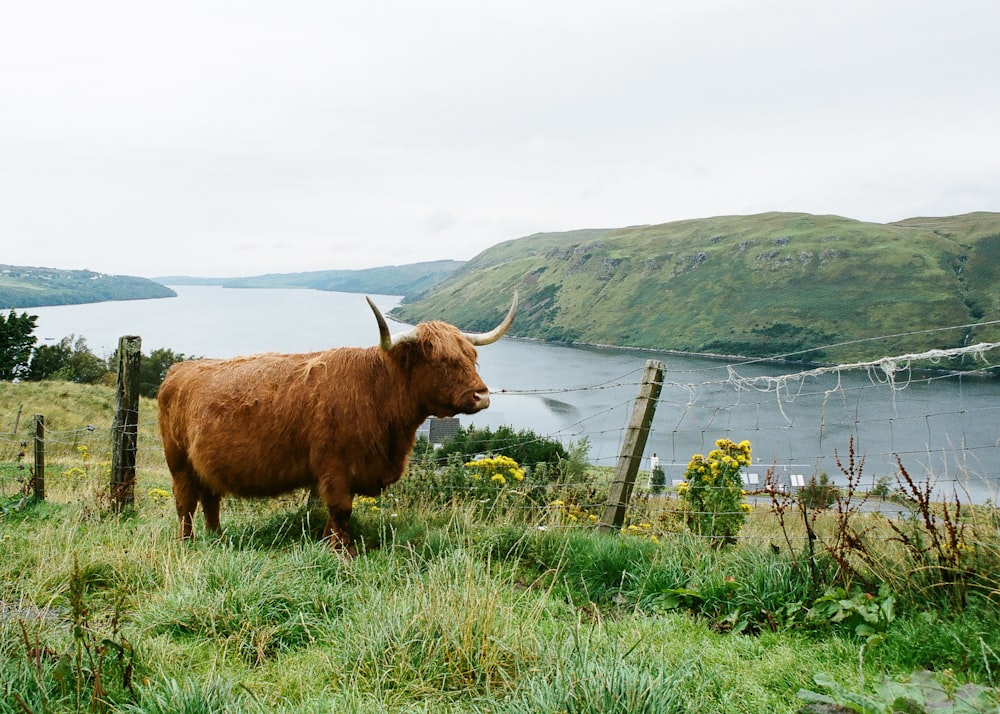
(95, 671)
(937, 542)
(920, 693)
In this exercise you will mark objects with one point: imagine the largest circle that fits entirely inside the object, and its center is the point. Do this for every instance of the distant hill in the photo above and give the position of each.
(388, 280)
(22, 287)
(763, 286)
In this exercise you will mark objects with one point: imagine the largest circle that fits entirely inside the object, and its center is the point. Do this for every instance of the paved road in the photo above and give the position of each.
(886, 508)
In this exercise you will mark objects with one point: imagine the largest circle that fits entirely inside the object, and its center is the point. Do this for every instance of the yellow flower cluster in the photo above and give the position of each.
(727, 457)
(498, 469)
(642, 530)
(572, 513)
(713, 489)
(158, 494)
(368, 502)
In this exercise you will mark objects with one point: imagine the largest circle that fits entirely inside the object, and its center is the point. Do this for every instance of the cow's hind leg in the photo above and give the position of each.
(339, 505)
(210, 507)
(186, 494)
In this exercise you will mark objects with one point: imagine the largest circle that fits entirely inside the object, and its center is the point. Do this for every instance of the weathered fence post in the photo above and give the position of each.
(39, 475)
(124, 430)
(632, 447)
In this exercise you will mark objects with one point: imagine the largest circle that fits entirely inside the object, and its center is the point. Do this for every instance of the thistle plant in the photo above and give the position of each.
(712, 491)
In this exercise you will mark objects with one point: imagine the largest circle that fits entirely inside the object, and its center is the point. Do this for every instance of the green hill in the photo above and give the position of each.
(22, 287)
(387, 280)
(766, 285)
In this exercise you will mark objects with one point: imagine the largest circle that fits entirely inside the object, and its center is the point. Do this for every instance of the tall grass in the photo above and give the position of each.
(440, 612)
(454, 607)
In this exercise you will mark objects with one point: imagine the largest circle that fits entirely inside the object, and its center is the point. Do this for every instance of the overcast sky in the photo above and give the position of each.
(244, 137)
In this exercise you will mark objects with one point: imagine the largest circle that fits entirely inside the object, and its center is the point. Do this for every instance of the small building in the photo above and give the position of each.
(439, 430)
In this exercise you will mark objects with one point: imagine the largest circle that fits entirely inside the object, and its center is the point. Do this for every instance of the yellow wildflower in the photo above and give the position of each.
(158, 494)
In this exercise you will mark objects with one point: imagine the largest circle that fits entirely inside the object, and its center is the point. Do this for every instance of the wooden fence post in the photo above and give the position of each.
(124, 430)
(39, 475)
(632, 447)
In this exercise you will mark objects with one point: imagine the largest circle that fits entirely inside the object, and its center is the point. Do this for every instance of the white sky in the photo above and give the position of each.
(245, 137)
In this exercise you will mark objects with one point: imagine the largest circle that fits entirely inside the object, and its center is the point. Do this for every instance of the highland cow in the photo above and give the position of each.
(340, 422)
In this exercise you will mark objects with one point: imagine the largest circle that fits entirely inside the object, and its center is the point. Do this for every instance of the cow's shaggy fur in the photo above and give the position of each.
(340, 422)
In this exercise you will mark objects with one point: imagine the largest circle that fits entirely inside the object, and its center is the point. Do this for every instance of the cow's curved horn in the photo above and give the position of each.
(488, 338)
(385, 340)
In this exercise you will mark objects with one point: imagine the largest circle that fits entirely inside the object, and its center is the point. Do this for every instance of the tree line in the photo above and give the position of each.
(70, 359)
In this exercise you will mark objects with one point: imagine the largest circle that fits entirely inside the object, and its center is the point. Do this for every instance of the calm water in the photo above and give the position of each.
(946, 427)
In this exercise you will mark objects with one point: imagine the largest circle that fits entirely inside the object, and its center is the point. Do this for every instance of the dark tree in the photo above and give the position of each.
(84, 366)
(47, 360)
(70, 360)
(153, 369)
(16, 341)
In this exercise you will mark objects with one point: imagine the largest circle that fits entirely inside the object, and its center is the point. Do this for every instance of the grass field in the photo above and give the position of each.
(451, 607)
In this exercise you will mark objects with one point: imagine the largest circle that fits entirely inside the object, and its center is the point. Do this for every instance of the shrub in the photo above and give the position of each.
(818, 493)
(657, 479)
(524, 446)
(713, 491)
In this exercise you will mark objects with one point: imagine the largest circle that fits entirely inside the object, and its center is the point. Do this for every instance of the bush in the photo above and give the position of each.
(713, 491)
(525, 446)
(657, 479)
(818, 493)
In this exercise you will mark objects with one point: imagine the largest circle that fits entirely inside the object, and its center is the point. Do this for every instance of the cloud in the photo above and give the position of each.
(152, 139)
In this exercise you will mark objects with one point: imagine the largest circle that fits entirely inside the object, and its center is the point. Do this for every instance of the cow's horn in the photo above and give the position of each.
(384, 338)
(488, 338)
(387, 341)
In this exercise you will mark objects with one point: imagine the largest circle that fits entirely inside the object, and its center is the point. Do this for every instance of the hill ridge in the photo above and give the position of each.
(32, 286)
(762, 285)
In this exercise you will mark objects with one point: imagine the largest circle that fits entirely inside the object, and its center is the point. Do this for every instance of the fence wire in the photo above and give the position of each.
(944, 428)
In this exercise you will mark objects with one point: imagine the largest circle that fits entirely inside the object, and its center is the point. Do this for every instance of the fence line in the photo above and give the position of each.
(809, 413)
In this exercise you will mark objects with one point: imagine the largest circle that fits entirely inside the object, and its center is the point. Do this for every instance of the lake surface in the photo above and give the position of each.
(946, 429)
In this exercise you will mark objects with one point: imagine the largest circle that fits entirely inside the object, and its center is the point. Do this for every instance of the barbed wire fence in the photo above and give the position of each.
(945, 426)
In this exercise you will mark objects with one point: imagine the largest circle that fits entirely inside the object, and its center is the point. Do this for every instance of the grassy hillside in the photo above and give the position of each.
(33, 287)
(763, 285)
(387, 280)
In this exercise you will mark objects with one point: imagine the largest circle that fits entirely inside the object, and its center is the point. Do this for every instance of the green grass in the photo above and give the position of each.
(445, 609)
(440, 612)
